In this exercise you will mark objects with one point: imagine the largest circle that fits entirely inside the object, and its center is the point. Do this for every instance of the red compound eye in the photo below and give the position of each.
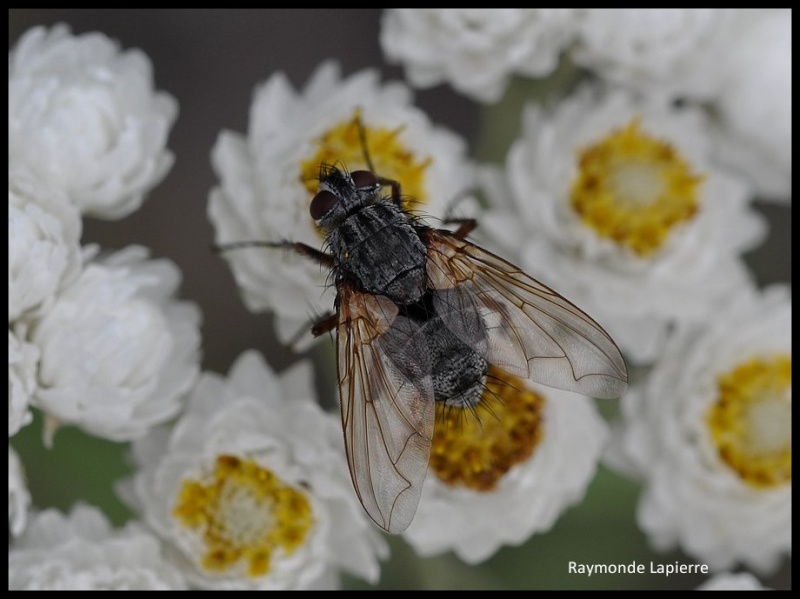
(322, 203)
(364, 178)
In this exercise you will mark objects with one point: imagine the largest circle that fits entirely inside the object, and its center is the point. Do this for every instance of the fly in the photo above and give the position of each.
(420, 316)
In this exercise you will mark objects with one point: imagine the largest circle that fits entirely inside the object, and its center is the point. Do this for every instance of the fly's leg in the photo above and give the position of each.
(325, 324)
(320, 326)
(301, 248)
(395, 185)
(465, 226)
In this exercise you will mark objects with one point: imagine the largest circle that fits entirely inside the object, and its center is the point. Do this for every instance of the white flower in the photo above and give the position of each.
(251, 488)
(23, 359)
(614, 205)
(44, 232)
(81, 552)
(492, 483)
(84, 117)
(741, 581)
(118, 352)
(754, 102)
(475, 50)
(710, 435)
(737, 62)
(19, 499)
(671, 51)
(269, 177)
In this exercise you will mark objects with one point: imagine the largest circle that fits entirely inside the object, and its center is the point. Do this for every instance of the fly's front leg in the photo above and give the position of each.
(301, 248)
(397, 196)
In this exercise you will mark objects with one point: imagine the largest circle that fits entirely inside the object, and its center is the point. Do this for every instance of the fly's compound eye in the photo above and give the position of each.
(322, 203)
(364, 179)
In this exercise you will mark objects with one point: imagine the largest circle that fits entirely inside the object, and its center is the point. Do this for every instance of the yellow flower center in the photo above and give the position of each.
(751, 421)
(634, 189)
(245, 514)
(342, 145)
(476, 450)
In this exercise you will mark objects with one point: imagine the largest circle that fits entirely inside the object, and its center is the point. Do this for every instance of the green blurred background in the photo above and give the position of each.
(211, 61)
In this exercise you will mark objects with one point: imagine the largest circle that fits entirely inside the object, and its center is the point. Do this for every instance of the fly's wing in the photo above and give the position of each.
(518, 324)
(387, 406)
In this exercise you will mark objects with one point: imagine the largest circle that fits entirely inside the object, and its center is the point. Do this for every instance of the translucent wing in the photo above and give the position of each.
(387, 406)
(517, 323)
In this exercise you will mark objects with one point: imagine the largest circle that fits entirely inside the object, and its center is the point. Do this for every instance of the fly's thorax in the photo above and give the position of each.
(378, 248)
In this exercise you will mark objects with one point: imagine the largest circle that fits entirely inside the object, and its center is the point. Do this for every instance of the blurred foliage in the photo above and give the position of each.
(78, 467)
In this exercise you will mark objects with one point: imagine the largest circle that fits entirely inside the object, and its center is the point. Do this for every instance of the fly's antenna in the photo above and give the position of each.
(362, 136)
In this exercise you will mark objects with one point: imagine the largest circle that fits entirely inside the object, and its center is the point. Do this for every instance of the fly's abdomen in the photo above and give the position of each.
(379, 248)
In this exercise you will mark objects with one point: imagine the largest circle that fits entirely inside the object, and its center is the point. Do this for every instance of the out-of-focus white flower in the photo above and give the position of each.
(328, 581)
(738, 62)
(613, 204)
(674, 52)
(475, 50)
(81, 552)
(710, 435)
(507, 471)
(741, 581)
(267, 179)
(23, 359)
(19, 499)
(754, 101)
(118, 352)
(251, 488)
(83, 116)
(44, 232)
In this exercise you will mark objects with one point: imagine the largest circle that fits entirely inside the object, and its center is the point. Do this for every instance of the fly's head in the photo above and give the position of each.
(340, 194)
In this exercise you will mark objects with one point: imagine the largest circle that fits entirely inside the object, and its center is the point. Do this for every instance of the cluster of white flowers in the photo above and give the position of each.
(476, 50)
(96, 340)
(639, 209)
(632, 196)
(709, 432)
(84, 118)
(618, 196)
(250, 488)
(80, 551)
(614, 202)
(735, 62)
